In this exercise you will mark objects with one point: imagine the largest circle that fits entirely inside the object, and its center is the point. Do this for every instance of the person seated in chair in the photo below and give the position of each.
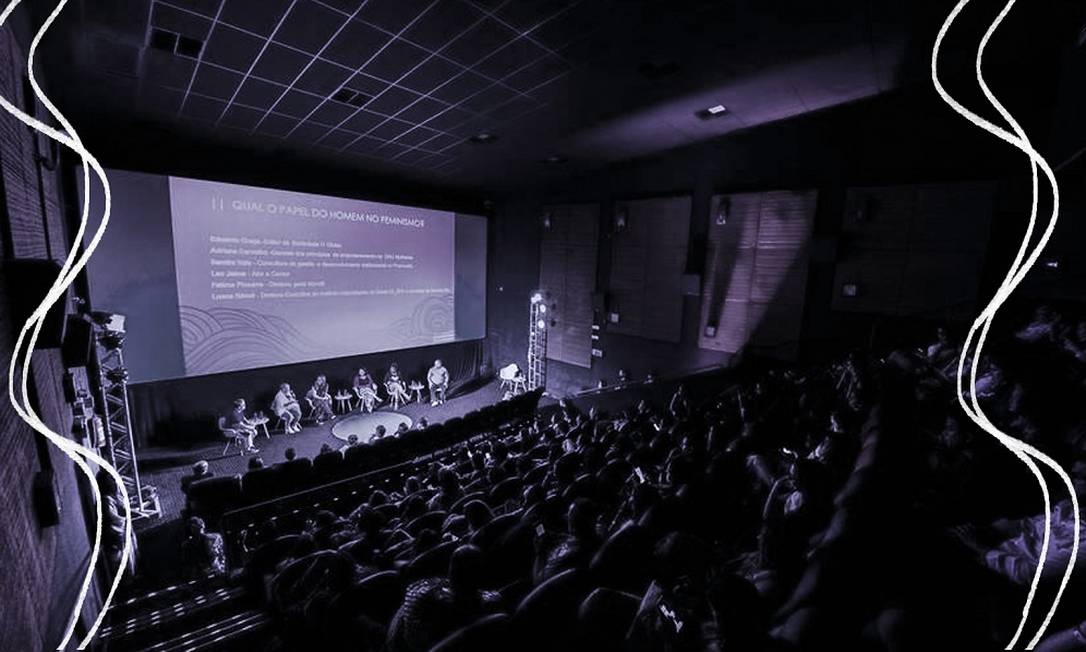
(396, 386)
(402, 428)
(200, 471)
(286, 407)
(202, 552)
(422, 423)
(321, 400)
(243, 425)
(351, 441)
(366, 391)
(379, 433)
(438, 378)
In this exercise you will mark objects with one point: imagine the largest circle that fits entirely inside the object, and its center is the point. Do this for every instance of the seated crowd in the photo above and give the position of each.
(656, 528)
(843, 506)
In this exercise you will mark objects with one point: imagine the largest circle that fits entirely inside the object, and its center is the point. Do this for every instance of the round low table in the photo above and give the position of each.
(343, 402)
(262, 423)
(416, 387)
(364, 424)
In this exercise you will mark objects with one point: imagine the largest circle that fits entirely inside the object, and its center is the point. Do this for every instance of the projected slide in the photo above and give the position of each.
(216, 277)
(269, 276)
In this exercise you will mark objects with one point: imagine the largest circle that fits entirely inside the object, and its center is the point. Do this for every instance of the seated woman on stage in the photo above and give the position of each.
(286, 407)
(438, 378)
(396, 387)
(243, 424)
(366, 390)
(320, 399)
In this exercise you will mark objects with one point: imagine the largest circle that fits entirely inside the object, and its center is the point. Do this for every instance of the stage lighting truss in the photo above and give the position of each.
(117, 442)
(537, 343)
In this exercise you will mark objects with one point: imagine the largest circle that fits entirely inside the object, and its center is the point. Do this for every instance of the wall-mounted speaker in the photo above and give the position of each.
(78, 342)
(28, 281)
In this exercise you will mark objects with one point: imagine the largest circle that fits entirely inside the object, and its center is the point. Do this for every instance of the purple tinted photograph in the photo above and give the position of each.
(543, 325)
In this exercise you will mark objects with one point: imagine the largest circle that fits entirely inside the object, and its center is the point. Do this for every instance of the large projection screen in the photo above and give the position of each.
(215, 277)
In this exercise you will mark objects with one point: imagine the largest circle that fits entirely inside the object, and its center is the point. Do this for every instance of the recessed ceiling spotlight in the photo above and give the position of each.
(714, 111)
(483, 137)
(555, 159)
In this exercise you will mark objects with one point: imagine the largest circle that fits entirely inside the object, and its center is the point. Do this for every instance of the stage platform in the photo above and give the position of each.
(164, 467)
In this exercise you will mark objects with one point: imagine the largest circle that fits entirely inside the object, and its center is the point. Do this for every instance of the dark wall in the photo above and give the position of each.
(43, 565)
(906, 136)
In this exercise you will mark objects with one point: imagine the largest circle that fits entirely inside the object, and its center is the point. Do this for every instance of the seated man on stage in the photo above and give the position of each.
(242, 424)
(286, 407)
(321, 400)
(366, 390)
(396, 387)
(438, 378)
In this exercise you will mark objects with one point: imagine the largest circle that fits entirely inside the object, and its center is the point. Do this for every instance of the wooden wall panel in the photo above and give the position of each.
(648, 259)
(45, 564)
(567, 274)
(919, 249)
(756, 274)
(18, 165)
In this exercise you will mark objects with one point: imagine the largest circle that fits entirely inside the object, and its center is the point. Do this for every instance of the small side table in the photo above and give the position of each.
(417, 388)
(343, 402)
(262, 424)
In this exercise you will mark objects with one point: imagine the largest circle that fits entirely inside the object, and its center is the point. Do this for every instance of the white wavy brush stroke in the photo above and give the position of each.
(1014, 277)
(68, 272)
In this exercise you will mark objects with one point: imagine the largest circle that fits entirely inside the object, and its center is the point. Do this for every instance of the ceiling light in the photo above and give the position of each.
(715, 111)
(483, 137)
(555, 159)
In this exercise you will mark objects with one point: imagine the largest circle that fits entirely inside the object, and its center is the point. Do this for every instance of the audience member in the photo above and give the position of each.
(203, 553)
(200, 471)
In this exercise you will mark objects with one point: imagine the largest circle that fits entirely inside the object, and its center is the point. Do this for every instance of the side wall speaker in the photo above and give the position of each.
(27, 282)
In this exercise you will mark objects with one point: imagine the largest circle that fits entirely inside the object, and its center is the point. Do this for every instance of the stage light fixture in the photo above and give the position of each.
(543, 309)
(541, 324)
(117, 374)
(483, 137)
(537, 297)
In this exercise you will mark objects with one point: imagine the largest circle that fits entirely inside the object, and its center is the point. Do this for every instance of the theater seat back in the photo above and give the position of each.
(547, 617)
(624, 561)
(327, 466)
(213, 497)
(488, 633)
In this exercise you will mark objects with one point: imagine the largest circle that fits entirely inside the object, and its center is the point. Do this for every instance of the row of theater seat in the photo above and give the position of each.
(213, 497)
(831, 604)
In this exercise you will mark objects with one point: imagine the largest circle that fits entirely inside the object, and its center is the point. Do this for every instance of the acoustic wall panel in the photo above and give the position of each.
(914, 250)
(19, 168)
(756, 271)
(648, 258)
(567, 274)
